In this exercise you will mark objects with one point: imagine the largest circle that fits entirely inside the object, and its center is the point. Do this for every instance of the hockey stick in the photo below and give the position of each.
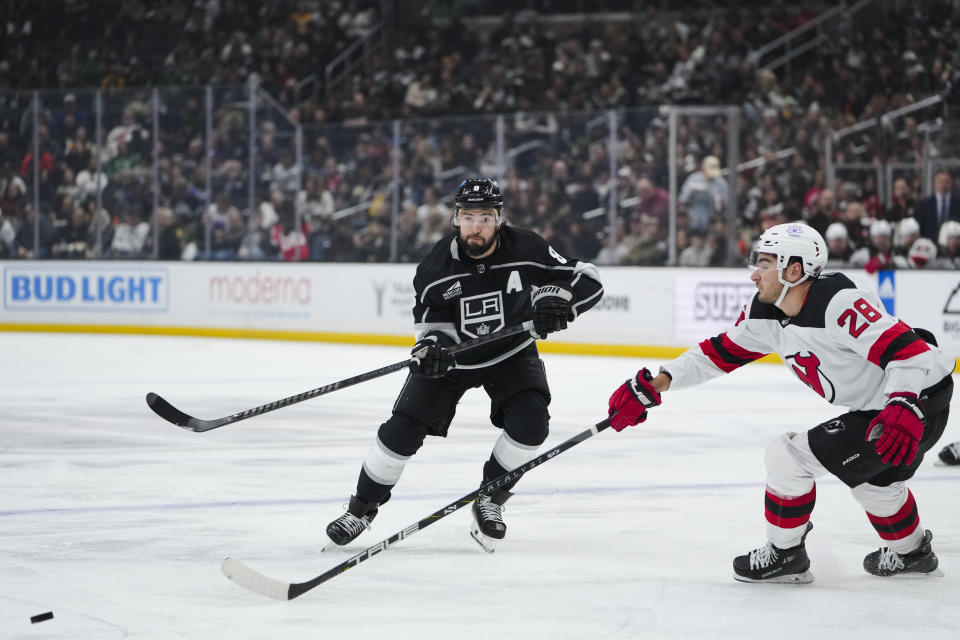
(171, 414)
(255, 581)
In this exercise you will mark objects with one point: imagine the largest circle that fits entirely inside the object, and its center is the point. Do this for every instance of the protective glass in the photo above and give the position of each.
(754, 261)
(482, 218)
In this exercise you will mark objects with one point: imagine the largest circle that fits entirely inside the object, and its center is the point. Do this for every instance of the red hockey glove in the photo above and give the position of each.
(898, 428)
(430, 358)
(551, 310)
(631, 401)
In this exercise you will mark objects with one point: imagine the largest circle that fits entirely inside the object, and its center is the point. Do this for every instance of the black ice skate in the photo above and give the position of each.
(950, 454)
(772, 564)
(488, 525)
(355, 521)
(886, 562)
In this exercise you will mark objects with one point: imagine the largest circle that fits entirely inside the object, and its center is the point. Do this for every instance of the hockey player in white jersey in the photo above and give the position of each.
(838, 341)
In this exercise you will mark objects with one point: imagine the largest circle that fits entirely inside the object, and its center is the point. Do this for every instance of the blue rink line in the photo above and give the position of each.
(425, 496)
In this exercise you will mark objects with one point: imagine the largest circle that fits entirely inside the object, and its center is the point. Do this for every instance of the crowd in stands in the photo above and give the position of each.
(551, 79)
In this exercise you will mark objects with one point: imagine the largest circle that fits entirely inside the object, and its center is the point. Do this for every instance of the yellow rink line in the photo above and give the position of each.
(546, 346)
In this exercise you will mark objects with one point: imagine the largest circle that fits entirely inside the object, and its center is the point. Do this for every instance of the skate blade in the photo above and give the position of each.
(913, 575)
(332, 547)
(486, 543)
(804, 577)
(940, 463)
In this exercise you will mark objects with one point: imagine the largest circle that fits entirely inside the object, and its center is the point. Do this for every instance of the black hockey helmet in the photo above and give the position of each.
(479, 193)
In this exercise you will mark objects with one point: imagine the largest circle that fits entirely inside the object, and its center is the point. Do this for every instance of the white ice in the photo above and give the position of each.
(117, 521)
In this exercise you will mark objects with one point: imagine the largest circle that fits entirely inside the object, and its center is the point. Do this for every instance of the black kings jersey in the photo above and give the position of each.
(464, 297)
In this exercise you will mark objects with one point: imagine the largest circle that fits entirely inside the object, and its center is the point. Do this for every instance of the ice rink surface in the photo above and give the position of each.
(117, 521)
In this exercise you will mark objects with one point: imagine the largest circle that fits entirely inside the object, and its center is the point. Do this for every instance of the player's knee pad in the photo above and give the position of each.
(791, 466)
(881, 501)
(401, 434)
(526, 418)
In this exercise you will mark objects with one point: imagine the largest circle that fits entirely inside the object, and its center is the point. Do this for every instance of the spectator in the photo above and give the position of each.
(101, 231)
(129, 237)
(822, 213)
(7, 236)
(287, 241)
(431, 207)
(646, 245)
(878, 255)
(697, 254)
(654, 201)
(949, 245)
(71, 240)
(943, 205)
(34, 226)
(704, 194)
(838, 246)
(908, 230)
(902, 202)
(854, 220)
(169, 236)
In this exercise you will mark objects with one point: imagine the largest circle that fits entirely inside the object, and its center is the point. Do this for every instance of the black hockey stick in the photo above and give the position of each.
(171, 414)
(255, 581)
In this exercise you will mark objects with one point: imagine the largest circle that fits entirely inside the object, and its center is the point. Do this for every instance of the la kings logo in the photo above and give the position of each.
(482, 314)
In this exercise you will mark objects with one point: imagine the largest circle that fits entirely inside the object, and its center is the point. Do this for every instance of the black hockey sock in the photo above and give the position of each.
(369, 490)
(493, 469)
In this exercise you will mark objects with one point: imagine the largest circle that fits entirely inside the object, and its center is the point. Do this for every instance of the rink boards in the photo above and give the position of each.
(653, 312)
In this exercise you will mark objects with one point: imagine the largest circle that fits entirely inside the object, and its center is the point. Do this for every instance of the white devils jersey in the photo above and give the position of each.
(842, 345)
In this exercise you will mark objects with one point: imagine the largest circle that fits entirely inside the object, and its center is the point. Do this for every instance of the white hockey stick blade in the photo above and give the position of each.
(240, 573)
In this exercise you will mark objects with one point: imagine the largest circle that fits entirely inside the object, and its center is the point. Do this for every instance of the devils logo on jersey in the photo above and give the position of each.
(807, 368)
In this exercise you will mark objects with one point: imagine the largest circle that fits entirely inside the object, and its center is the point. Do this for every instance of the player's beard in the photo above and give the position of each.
(771, 296)
(476, 250)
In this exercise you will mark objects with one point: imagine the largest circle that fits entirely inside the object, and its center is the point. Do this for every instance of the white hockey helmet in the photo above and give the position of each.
(880, 228)
(788, 241)
(908, 227)
(793, 240)
(949, 229)
(837, 231)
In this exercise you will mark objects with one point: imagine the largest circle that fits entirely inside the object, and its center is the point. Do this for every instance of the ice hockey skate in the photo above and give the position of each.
(886, 563)
(949, 455)
(772, 564)
(351, 524)
(488, 526)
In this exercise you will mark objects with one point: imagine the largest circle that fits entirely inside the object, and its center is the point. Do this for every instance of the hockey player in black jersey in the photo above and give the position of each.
(838, 340)
(482, 278)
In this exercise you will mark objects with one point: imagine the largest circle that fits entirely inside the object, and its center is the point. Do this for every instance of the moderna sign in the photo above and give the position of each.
(95, 288)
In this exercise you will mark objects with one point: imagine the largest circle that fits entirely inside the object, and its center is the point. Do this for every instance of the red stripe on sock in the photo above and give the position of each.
(786, 523)
(905, 521)
(803, 503)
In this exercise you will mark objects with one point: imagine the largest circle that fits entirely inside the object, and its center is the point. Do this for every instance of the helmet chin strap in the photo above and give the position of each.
(786, 287)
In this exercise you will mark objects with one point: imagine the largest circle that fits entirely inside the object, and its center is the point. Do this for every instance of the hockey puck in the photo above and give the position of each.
(40, 617)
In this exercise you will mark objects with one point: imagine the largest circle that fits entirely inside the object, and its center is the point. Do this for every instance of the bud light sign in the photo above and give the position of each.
(83, 288)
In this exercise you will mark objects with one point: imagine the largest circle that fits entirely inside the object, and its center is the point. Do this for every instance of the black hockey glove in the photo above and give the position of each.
(551, 310)
(430, 357)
